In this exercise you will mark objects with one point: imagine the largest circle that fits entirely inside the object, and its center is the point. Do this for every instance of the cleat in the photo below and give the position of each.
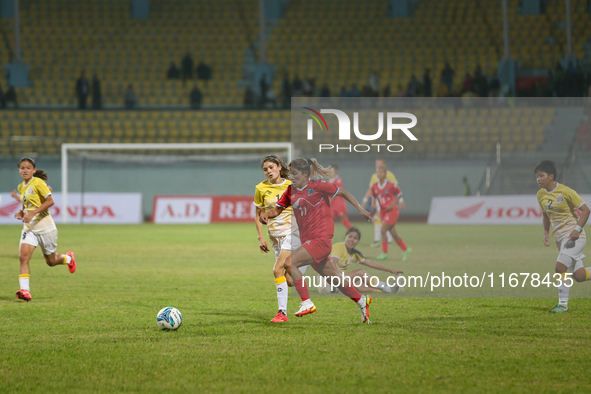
(397, 288)
(558, 309)
(375, 244)
(406, 254)
(23, 295)
(383, 256)
(306, 307)
(279, 318)
(364, 308)
(72, 265)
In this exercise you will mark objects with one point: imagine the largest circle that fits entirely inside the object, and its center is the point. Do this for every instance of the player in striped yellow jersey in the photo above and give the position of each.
(377, 220)
(282, 230)
(39, 228)
(559, 206)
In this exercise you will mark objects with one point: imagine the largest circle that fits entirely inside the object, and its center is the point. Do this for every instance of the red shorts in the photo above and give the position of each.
(338, 207)
(319, 249)
(391, 216)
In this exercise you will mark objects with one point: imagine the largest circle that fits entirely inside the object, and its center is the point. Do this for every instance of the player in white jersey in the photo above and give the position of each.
(39, 228)
(282, 230)
(559, 206)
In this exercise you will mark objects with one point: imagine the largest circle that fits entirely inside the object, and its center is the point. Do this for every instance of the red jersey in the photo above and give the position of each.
(338, 182)
(386, 194)
(311, 207)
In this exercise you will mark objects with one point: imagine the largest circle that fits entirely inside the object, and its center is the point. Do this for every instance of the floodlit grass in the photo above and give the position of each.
(95, 330)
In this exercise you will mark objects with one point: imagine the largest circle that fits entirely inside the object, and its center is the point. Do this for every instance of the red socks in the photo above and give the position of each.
(346, 222)
(402, 245)
(385, 247)
(351, 292)
(302, 289)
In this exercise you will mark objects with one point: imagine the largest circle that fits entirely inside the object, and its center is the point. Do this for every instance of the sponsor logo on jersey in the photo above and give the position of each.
(310, 192)
(30, 190)
(560, 198)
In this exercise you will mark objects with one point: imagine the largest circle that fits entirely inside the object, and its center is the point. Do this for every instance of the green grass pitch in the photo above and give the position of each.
(95, 331)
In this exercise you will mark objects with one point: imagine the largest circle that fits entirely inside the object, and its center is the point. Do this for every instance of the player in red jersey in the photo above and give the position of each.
(338, 206)
(388, 196)
(309, 199)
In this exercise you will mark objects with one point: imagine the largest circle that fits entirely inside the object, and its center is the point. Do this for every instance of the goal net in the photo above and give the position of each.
(165, 169)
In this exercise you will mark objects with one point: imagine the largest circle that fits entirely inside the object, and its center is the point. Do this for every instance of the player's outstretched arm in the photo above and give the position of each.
(546, 222)
(574, 235)
(349, 197)
(380, 267)
(262, 241)
(264, 217)
(366, 197)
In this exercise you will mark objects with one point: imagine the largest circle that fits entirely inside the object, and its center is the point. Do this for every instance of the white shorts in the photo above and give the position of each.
(287, 242)
(47, 241)
(571, 254)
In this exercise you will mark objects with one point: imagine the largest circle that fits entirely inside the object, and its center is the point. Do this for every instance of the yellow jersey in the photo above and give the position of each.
(33, 195)
(559, 205)
(265, 197)
(339, 250)
(389, 176)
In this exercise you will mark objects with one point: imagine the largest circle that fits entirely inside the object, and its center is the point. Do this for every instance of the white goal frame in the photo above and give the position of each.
(288, 146)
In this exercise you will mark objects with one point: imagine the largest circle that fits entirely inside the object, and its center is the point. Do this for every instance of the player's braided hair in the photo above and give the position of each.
(283, 172)
(38, 173)
(355, 230)
(312, 167)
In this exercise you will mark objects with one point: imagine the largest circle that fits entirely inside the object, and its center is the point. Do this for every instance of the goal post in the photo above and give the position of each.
(68, 148)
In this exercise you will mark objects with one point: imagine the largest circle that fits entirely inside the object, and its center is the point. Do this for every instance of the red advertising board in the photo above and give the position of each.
(203, 209)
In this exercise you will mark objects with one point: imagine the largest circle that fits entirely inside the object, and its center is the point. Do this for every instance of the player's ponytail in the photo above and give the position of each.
(41, 174)
(312, 167)
(317, 171)
(283, 172)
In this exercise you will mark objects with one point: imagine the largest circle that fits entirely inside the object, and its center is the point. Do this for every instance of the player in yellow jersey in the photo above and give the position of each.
(282, 230)
(380, 163)
(344, 255)
(559, 204)
(39, 228)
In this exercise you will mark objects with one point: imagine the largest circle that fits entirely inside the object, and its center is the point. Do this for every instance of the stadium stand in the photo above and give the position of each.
(62, 37)
(464, 32)
(441, 131)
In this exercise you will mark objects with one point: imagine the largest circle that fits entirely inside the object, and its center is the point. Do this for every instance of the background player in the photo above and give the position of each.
(282, 232)
(338, 206)
(559, 204)
(380, 163)
(39, 228)
(310, 201)
(344, 254)
(388, 195)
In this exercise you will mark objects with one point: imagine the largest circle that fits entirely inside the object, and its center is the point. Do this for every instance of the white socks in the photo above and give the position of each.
(377, 233)
(563, 292)
(23, 281)
(282, 293)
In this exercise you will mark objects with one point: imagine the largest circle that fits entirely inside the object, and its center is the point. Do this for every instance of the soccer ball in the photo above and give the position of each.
(169, 318)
